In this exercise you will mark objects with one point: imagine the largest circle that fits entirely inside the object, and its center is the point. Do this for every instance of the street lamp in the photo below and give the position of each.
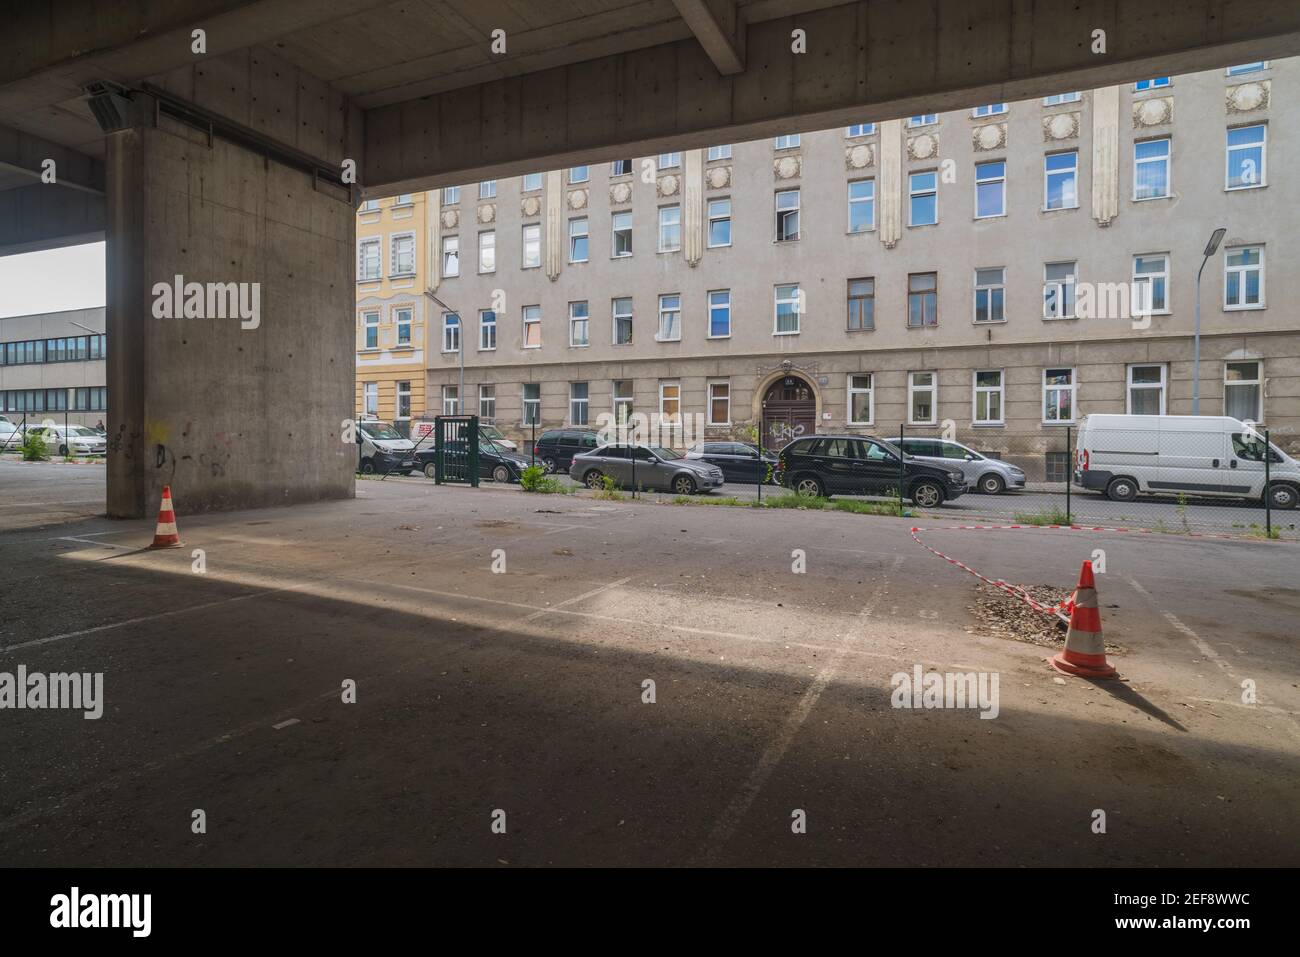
(1210, 249)
(460, 348)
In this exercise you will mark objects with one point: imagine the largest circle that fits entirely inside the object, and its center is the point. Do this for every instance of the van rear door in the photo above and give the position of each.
(1193, 458)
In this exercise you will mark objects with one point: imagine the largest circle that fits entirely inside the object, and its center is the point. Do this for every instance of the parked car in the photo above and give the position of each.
(645, 467)
(381, 448)
(493, 434)
(739, 461)
(988, 475)
(9, 432)
(1212, 455)
(555, 449)
(70, 440)
(857, 465)
(494, 462)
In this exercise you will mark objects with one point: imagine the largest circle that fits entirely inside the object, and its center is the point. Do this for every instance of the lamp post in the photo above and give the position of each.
(1210, 249)
(460, 348)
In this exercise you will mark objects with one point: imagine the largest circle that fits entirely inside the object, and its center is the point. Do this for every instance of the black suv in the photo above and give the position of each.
(555, 450)
(857, 465)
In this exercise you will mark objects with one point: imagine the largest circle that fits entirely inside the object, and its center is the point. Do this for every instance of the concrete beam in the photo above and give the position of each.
(47, 216)
(26, 154)
(720, 28)
(866, 60)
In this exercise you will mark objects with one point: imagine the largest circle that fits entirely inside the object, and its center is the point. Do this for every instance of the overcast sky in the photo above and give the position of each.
(52, 280)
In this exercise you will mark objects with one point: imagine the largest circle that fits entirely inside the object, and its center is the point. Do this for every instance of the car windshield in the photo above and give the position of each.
(380, 430)
(667, 454)
(82, 430)
(489, 432)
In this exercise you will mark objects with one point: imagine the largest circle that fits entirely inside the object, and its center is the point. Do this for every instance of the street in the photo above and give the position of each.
(522, 690)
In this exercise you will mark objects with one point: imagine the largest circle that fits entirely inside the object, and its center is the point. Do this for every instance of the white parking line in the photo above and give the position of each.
(1201, 645)
(577, 598)
(285, 724)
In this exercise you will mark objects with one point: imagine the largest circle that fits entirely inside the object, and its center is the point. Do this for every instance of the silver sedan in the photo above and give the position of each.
(644, 467)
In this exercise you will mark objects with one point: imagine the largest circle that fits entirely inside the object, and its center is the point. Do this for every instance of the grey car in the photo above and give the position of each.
(984, 474)
(645, 467)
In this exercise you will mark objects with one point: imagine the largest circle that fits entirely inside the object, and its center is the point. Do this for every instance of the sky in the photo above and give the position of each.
(52, 280)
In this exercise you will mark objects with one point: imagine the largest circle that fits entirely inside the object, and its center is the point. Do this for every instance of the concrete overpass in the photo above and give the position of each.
(207, 138)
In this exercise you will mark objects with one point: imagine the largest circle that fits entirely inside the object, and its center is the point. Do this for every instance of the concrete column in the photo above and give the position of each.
(236, 412)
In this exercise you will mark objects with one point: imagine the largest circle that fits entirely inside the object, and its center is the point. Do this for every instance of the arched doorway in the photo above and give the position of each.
(789, 410)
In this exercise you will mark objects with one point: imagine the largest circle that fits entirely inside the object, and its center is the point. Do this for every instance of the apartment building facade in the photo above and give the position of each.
(52, 367)
(990, 275)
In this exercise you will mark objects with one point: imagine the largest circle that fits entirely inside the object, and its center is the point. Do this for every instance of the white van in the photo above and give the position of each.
(381, 448)
(1213, 455)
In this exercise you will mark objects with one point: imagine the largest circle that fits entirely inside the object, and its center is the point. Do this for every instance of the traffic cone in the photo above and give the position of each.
(165, 535)
(1085, 649)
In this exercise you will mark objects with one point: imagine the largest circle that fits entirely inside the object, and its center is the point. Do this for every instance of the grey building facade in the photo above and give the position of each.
(52, 367)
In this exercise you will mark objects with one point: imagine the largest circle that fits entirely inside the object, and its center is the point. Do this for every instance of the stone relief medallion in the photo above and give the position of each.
(1154, 112)
(990, 137)
(620, 194)
(1061, 126)
(577, 199)
(1249, 96)
(718, 177)
(530, 205)
(668, 185)
(922, 146)
(450, 218)
(787, 167)
(859, 157)
(487, 213)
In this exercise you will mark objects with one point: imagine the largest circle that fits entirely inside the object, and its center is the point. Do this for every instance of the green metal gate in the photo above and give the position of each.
(455, 439)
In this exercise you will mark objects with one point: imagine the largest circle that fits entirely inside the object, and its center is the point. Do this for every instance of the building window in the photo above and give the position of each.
(670, 401)
(1243, 279)
(860, 129)
(487, 189)
(404, 199)
(990, 189)
(402, 317)
(1150, 285)
(1243, 391)
(487, 252)
(401, 253)
(719, 153)
(532, 327)
(1061, 180)
(1246, 156)
(862, 205)
(487, 402)
(371, 322)
(787, 215)
(1056, 467)
(719, 403)
(450, 332)
(623, 321)
(670, 318)
(862, 399)
(1058, 396)
(451, 400)
(991, 109)
(921, 401)
(368, 206)
(93, 399)
(922, 299)
(1058, 290)
(1151, 169)
(622, 393)
(923, 199)
(450, 195)
(532, 246)
(622, 223)
(670, 228)
(1154, 83)
(369, 267)
(1146, 390)
(578, 403)
(1243, 68)
(487, 330)
(620, 168)
(579, 324)
(670, 160)
(990, 294)
(788, 308)
(788, 142)
(719, 222)
(370, 398)
(578, 237)
(450, 256)
(720, 314)
(923, 119)
(579, 174)
(532, 403)
(403, 400)
(987, 399)
(1057, 99)
(532, 182)
(862, 304)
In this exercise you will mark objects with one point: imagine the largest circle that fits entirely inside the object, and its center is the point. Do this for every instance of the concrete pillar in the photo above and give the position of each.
(236, 412)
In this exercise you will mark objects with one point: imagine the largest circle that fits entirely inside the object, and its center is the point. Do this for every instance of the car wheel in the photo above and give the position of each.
(927, 495)
(992, 484)
(63, 450)
(501, 474)
(431, 471)
(548, 464)
(594, 479)
(684, 485)
(810, 485)
(367, 467)
(1282, 497)
(1122, 490)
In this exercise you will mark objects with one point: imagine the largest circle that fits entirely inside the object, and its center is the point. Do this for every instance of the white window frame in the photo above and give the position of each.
(369, 321)
(370, 242)
(394, 263)
(717, 218)
(486, 251)
(984, 180)
(708, 299)
(914, 193)
(450, 244)
(1263, 157)
(1061, 287)
(1048, 174)
(531, 182)
(404, 199)
(487, 331)
(575, 403)
(575, 321)
(989, 109)
(487, 189)
(869, 202)
(617, 400)
(663, 311)
(579, 228)
(976, 390)
(368, 206)
(782, 214)
(718, 153)
(579, 174)
(615, 230)
(1242, 69)
(531, 316)
(1147, 278)
(665, 384)
(403, 392)
(535, 244)
(869, 391)
(1057, 99)
(1241, 283)
(450, 195)
(485, 410)
(1257, 383)
(370, 398)
(614, 170)
(1154, 83)
(671, 208)
(451, 400)
(451, 341)
(1162, 387)
(669, 160)
(860, 129)
(408, 322)
(1166, 161)
(615, 316)
(1072, 388)
(922, 119)
(525, 402)
(988, 287)
(778, 301)
(913, 389)
(786, 141)
(710, 398)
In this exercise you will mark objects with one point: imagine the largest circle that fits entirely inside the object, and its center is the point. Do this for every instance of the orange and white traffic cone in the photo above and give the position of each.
(165, 535)
(1085, 649)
